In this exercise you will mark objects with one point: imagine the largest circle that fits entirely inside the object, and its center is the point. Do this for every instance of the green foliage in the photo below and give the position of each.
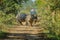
(49, 12)
(54, 4)
(10, 6)
(6, 19)
(45, 8)
(3, 34)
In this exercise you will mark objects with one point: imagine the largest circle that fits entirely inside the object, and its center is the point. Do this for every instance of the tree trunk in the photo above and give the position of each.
(0, 1)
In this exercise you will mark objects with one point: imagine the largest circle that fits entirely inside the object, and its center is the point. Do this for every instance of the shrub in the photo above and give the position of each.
(3, 34)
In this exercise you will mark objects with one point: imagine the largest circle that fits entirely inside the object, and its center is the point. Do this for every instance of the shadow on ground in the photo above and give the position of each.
(26, 36)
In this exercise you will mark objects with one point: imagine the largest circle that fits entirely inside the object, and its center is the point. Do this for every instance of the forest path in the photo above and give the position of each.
(24, 32)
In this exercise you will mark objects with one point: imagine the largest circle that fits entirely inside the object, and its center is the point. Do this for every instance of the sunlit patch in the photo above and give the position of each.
(33, 0)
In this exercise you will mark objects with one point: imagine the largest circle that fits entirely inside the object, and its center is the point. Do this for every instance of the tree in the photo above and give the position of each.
(51, 6)
(11, 6)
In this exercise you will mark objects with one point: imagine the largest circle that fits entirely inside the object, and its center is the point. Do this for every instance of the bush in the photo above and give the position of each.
(53, 37)
(3, 34)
